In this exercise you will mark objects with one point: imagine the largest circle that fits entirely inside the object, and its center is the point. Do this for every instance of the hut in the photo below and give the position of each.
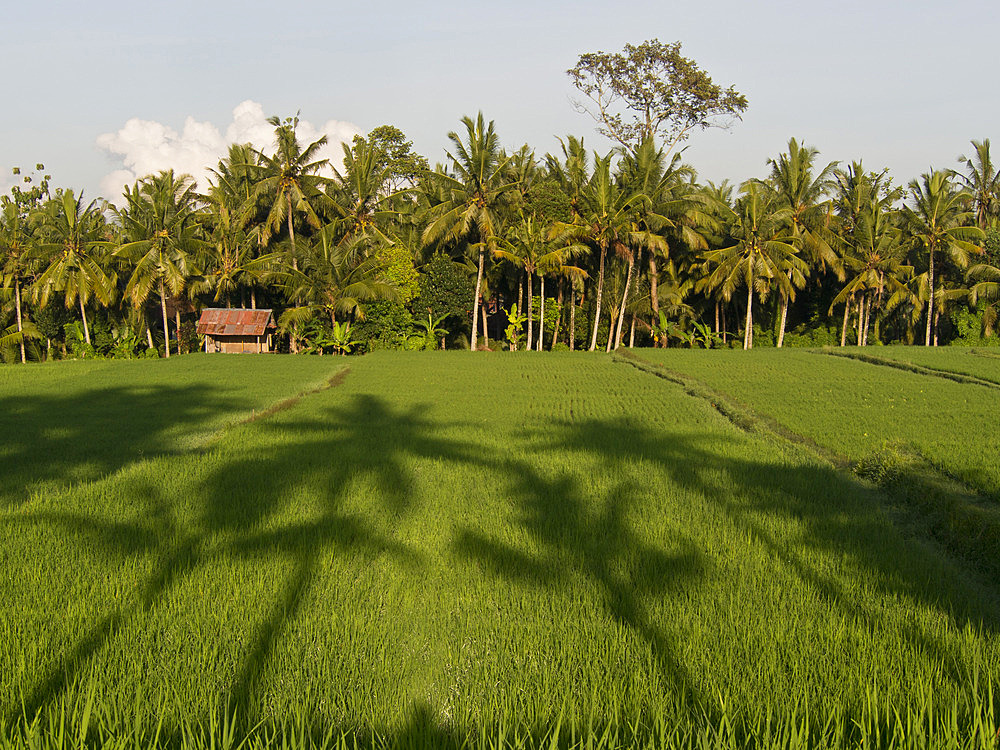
(236, 331)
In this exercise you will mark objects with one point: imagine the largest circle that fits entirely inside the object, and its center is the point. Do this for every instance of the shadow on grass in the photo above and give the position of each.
(236, 506)
(321, 455)
(54, 440)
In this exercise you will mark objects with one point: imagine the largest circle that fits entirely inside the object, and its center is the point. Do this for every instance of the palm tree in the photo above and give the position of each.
(875, 260)
(477, 197)
(986, 288)
(231, 260)
(72, 249)
(336, 277)
(671, 213)
(606, 221)
(526, 247)
(359, 198)
(16, 262)
(982, 180)
(939, 221)
(289, 181)
(161, 232)
(763, 255)
(17, 240)
(802, 192)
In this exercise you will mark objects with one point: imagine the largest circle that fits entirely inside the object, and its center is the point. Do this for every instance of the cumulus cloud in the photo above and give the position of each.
(145, 146)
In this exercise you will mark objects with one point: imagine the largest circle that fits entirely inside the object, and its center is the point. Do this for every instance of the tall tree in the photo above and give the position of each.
(477, 198)
(651, 90)
(803, 191)
(288, 180)
(982, 180)
(17, 238)
(606, 222)
(161, 233)
(73, 248)
(939, 221)
(762, 256)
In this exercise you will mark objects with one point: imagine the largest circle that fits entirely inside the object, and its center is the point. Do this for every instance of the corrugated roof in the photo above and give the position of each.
(216, 321)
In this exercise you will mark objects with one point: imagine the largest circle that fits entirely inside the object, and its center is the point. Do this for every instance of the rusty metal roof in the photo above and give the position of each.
(216, 321)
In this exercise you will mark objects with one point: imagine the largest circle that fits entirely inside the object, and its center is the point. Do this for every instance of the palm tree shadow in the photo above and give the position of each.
(839, 516)
(365, 445)
(53, 440)
(277, 495)
(582, 535)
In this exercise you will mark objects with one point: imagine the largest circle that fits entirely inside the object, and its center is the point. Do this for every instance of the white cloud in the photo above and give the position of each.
(146, 147)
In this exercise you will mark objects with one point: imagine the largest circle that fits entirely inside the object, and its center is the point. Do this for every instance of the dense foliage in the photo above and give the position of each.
(627, 245)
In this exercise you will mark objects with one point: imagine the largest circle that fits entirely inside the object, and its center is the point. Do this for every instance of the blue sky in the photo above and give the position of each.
(900, 84)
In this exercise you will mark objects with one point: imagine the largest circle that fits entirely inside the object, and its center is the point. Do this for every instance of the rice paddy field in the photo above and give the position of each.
(502, 550)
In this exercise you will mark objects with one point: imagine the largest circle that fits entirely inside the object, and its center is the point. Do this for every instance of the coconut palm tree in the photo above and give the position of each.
(802, 191)
(875, 261)
(17, 264)
(72, 249)
(477, 198)
(673, 215)
(336, 278)
(939, 221)
(763, 256)
(606, 220)
(161, 232)
(982, 180)
(288, 181)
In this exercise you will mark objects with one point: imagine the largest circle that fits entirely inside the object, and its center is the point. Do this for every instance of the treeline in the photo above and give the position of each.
(503, 249)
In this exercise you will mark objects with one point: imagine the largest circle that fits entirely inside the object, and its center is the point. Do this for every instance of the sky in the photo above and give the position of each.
(103, 91)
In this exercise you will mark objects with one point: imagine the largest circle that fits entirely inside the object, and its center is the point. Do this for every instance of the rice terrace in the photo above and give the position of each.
(657, 548)
(307, 441)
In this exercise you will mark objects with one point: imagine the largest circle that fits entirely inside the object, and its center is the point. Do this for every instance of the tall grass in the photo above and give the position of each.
(495, 551)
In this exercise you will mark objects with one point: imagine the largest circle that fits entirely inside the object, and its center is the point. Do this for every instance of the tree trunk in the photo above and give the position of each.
(486, 333)
(541, 316)
(612, 314)
(572, 319)
(861, 316)
(654, 295)
(253, 298)
(868, 317)
(937, 316)
(748, 330)
(177, 321)
(475, 302)
(20, 325)
(531, 322)
(725, 328)
(291, 232)
(600, 294)
(716, 317)
(520, 292)
(784, 317)
(621, 313)
(930, 298)
(86, 328)
(559, 304)
(149, 332)
(847, 314)
(631, 336)
(166, 329)
(863, 322)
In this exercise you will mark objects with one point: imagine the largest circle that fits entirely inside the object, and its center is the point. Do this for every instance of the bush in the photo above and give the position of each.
(387, 325)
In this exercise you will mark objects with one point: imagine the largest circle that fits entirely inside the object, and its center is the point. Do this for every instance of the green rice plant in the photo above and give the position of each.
(453, 550)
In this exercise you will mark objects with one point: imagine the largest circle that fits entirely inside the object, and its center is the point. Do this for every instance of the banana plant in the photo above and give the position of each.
(431, 333)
